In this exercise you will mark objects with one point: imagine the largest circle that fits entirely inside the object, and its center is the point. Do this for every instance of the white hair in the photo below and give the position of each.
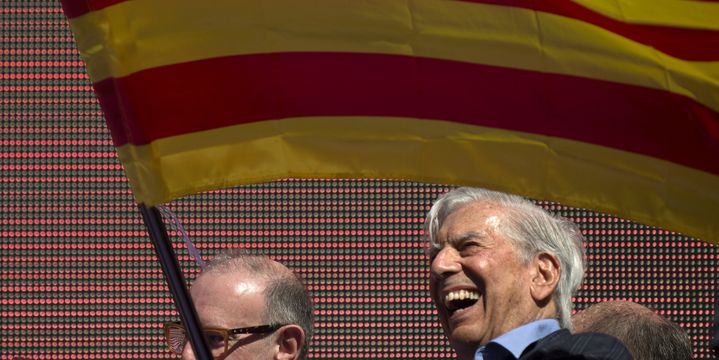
(531, 230)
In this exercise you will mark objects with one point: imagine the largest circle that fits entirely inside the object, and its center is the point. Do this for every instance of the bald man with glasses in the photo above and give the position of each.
(250, 307)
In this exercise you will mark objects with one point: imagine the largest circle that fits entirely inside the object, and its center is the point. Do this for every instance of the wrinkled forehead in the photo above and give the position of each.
(476, 220)
(487, 215)
(229, 300)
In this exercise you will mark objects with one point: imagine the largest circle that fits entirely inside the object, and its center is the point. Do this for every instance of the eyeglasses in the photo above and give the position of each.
(217, 338)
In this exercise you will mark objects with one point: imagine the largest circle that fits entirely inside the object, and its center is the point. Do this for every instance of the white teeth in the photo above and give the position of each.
(461, 295)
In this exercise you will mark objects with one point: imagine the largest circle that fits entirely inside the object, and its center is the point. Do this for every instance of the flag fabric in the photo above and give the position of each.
(608, 105)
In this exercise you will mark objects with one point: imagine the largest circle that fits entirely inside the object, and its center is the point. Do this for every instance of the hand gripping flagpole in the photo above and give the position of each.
(175, 280)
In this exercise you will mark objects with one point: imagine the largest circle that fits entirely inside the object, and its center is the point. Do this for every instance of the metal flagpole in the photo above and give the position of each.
(175, 280)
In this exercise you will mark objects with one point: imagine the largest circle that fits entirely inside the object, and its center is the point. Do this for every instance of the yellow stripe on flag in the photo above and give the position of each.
(690, 14)
(137, 35)
(640, 188)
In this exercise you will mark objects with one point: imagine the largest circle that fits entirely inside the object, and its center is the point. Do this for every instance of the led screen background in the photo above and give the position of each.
(80, 280)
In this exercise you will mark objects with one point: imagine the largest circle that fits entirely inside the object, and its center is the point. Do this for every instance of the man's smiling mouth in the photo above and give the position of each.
(460, 299)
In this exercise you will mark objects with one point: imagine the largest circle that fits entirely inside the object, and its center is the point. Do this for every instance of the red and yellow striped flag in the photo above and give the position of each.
(609, 105)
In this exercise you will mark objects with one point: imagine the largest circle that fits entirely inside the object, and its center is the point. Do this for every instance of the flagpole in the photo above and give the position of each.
(175, 280)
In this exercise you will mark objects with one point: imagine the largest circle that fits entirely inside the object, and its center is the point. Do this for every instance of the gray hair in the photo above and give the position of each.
(530, 229)
(287, 300)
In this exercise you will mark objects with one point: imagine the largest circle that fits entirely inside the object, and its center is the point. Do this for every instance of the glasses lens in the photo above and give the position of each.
(176, 337)
(216, 339)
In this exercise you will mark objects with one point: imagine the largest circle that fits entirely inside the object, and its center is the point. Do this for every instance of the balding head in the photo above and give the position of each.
(239, 262)
(646, 334)
(239, 290)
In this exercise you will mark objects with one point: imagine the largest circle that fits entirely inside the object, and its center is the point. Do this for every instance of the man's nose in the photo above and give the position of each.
(446, 262)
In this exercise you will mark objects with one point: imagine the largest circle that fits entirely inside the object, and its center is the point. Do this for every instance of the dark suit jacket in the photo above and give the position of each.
(562, 345)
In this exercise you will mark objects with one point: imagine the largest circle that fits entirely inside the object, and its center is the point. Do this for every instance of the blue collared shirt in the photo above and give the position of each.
(516, 340)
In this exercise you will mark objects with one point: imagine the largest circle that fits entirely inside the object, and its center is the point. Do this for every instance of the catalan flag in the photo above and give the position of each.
(609, 105)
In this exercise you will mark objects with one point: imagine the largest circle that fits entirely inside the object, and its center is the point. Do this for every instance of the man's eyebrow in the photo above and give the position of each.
(455, 240)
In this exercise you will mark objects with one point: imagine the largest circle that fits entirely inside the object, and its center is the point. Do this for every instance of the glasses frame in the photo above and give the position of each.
(260, 329)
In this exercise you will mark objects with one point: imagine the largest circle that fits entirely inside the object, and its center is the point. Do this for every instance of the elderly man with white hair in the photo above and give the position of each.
(502, 275)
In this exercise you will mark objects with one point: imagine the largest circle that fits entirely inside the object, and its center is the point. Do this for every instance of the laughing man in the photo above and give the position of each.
(503, 272)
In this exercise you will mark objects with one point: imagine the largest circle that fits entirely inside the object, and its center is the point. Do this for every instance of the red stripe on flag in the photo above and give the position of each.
(214, 93)
(683, 43)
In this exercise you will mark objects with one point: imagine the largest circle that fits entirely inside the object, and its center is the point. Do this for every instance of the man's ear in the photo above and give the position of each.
(545, 277)
(290, 339)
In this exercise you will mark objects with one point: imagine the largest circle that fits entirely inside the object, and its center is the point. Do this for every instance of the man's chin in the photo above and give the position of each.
(464, 336)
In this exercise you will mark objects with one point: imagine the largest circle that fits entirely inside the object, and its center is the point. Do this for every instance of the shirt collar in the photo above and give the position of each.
(517, 339)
